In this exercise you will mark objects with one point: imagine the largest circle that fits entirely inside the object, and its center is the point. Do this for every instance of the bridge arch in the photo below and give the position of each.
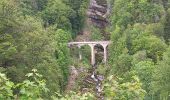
(92, 44)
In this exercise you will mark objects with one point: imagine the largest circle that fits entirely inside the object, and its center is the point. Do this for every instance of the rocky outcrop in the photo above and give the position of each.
(72, 78)
(74, 75)
(98, 13)
(94, 81)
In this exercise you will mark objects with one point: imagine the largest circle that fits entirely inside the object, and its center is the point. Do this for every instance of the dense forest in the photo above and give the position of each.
(36, 62)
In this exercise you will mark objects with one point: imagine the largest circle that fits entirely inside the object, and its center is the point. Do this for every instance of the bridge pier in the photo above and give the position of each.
(92, 53)
(105, 52)
(80, 54)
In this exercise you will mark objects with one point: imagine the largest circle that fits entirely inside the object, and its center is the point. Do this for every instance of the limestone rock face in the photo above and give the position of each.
(98, 12)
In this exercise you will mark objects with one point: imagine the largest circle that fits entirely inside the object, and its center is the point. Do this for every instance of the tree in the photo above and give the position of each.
(167, 26)
(58, 13)
(131, 90)
(62, 54)
(25, 44)
(129, 12)
(144, 70)
(9, 13)
(161, 76)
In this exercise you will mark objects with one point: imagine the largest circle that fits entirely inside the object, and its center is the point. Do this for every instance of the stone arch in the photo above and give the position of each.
(99, 53)
(105, 45)
(92, 44)
(81, 53)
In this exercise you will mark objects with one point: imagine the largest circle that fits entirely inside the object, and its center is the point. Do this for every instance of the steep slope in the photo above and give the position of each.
(96, 17)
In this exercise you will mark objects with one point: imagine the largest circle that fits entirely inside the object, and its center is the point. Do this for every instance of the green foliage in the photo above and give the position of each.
(30, 38)
(27, 90)
(35, 33)
(75, 96)
(33, 88)
(32, 7)
(132, 90)
(145, 70)
(96, 35)
(139, 57)
(7, 49)
(161, 76)
(102, 69)
(138, 30)
(79, 7)
(141, 37)
(167, 27)
(118, 45)
(25, 44)
(67, 15)
(9, 13)
(5, 87)
(130, 12)
(56, 12)
(62, 54)
(122, 65)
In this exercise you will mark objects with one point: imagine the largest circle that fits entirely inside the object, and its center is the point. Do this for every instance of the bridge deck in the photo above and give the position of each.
(90, 42)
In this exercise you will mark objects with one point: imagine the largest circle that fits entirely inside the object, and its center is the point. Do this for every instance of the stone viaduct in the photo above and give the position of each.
(92, 44)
